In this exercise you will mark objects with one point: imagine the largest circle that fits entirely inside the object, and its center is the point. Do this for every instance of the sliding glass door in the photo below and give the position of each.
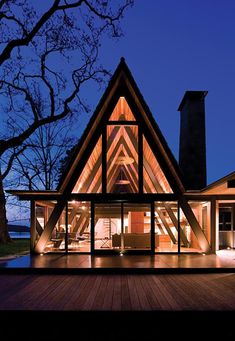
(122, 227)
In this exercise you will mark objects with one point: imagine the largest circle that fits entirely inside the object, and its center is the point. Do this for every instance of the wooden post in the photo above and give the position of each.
(32, 226)
(214, 225)
(92, 227)
(140, 159)
(152, 230)
(104, 160)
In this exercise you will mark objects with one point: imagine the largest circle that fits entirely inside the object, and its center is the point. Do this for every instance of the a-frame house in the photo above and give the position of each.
(123, 191)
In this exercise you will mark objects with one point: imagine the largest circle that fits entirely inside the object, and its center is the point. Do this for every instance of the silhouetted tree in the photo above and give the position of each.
(36, 168)
(46, 55)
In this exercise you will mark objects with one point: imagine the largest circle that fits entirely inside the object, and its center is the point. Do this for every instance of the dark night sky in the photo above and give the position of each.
(173, 46)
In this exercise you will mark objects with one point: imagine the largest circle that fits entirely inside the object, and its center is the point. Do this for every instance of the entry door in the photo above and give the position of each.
(122, 227)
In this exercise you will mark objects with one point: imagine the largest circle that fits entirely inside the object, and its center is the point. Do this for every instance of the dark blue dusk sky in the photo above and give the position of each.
(172, 46)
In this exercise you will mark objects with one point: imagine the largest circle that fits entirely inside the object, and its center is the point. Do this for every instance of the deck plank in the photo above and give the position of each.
(108, 299)
(134, 298)
(144, 302)
(125, 294)
(91, 295)
(118, 292)
(117, 303)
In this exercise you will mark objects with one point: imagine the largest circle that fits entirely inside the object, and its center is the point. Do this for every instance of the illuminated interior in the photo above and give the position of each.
(122, 159)
(122, 111)
(71, 232)
(119, 164)
(153, 176)
(90, 179)
(122, 227)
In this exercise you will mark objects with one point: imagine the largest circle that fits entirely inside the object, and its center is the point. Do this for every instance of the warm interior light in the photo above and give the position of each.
(122, 182)
(124, 160)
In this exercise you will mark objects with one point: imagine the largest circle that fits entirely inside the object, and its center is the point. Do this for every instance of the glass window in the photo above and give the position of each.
(108, 226)
(122, 111)
(166, 226)
(136, 226)
(43, 211)
(56, 242)
(122, 159)
(201, 211)
(90, 180)
(225, 219)
(154, 178)
(79, 226)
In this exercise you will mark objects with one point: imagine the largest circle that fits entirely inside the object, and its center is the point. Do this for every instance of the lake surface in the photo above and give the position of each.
(19, 235)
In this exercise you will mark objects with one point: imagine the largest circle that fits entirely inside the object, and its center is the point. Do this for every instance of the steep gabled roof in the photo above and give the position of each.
(122, 83)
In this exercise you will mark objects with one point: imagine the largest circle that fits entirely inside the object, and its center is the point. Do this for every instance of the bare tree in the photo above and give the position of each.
(46, 56)
(36, 168)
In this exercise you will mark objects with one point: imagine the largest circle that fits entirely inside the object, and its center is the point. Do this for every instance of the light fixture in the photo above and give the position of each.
(122, 180)
(124, 160)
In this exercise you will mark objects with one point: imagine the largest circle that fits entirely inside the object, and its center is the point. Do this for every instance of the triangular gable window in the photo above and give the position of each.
(90, 180)
(154, 178)
(122, 159)
(122, 111)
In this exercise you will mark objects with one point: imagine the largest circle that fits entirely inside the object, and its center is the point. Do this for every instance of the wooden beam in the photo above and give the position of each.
(39, 228)
(214, 207)
(140, 160)
(72, 215)
(159, 225)
(104, 160)
(196, 228)
(33, 221)
(45, 203)
(86, 223)
(87, 184)
(167, 206)
(50, 225)
(80, 221)
(163, 219)
(175, 223)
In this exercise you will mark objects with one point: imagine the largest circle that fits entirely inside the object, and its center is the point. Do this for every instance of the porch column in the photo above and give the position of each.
(32, 226)
(214, 225)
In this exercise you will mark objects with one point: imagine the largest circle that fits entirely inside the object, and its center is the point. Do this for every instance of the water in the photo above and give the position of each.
(19, 235)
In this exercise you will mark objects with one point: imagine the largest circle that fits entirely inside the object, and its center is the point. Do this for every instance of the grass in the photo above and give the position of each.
(17, 246)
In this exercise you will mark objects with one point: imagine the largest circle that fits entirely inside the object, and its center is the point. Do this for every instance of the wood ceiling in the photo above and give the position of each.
(122, 142)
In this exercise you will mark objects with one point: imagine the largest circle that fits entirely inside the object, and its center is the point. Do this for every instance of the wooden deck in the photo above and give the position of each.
(112, 307)
(197, 292)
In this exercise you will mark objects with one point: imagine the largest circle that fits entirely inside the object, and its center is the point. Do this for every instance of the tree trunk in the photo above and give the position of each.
(4, 235)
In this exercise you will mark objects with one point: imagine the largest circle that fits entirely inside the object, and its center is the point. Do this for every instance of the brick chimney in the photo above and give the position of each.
(192, 148)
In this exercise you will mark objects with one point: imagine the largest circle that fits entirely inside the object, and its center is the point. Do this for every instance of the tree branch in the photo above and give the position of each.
(11, 160)
(6, 53)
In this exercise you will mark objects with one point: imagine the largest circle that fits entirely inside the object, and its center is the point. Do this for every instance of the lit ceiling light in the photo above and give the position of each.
(122, 182)
(124, 160)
